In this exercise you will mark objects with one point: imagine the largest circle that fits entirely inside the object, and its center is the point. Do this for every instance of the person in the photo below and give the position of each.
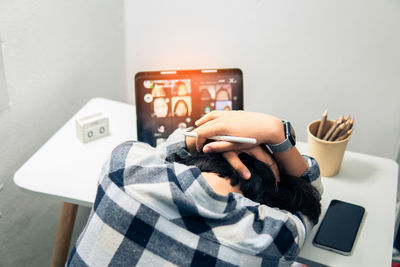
(181, 109)
(265, 186)
(155, 207)
(158, 91)
(205, 94)
(160, 107)
(223, 94)
(179, 89)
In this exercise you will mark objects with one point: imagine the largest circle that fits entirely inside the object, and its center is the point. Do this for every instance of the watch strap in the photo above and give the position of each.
(281, 147)
(285, 144)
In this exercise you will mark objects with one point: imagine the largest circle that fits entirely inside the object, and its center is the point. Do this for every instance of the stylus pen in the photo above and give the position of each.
(234, 139)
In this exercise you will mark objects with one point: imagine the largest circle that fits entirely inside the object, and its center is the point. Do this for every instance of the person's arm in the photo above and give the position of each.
(191, 144)
(134, 153)
(266, 129)
(177, 145)
(291, 162)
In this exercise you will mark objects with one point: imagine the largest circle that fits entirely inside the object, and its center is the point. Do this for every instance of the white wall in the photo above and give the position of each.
(298, 57)
(58, 55)
(3, 85)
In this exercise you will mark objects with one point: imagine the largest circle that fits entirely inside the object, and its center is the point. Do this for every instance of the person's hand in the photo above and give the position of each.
(264, 128)
(256, 152)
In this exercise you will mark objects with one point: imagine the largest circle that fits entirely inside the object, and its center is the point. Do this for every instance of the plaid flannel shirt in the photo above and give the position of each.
(152, 212)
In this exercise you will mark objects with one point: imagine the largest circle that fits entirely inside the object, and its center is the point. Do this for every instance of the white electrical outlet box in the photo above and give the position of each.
(92, 127)
(4, 101)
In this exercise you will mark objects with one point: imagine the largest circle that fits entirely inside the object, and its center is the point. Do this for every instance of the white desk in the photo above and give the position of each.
(68, 170)
(371, 182)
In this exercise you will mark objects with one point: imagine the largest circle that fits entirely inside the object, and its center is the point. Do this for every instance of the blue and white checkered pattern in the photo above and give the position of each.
(152, 212)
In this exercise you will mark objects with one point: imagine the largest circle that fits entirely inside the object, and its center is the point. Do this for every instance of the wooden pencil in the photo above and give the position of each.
(345, 135)
(347, 127)
(336, 132)
(333, 128)
(322, 124)
(351, 123)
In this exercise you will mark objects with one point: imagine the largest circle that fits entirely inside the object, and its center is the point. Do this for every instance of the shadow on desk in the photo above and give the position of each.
(310, 263)
(357, 169)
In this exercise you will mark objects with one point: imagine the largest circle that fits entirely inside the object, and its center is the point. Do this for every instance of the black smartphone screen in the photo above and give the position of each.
(339, 227)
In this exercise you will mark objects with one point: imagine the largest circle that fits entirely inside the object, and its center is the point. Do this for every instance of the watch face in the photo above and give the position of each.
(292, 140)
(291, 134)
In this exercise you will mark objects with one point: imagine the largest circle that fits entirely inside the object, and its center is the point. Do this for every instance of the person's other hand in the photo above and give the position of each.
(263, 127)
(256, 152)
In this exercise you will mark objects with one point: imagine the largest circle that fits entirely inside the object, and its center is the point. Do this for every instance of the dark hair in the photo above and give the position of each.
(163, 94)
(176, 105)
(176, 86)
(223, 89)
(292, 194)
(205, 94)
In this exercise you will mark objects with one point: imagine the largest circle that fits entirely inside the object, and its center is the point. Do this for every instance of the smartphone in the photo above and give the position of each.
(339, 227)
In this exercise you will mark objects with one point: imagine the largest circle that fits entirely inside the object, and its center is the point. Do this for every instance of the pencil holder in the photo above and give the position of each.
(328, 154)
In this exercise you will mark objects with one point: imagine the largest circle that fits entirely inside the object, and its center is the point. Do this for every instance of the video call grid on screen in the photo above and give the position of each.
(166, 100)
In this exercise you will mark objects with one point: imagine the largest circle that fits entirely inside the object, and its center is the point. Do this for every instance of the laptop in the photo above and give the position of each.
(167, 100)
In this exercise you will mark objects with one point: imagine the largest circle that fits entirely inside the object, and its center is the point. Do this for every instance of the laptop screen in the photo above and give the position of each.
(166, 100)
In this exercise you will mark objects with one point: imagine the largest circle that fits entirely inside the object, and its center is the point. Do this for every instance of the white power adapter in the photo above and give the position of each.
(91, 127)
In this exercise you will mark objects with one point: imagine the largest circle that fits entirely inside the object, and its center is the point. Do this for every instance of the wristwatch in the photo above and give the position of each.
(290, 139)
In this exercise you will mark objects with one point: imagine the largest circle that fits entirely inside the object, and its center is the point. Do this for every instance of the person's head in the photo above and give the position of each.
(291, 193)
(158, 91)
(181, 109)
(222, 94)
(160, 107)
(205, 95)
(180, 89)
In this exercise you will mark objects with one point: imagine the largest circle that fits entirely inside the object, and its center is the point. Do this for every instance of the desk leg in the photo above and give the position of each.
(64, 232)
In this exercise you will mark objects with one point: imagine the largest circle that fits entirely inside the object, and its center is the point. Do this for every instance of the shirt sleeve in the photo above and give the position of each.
(311, 175)
(143, 154)
(142, 171)
(175, 146)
